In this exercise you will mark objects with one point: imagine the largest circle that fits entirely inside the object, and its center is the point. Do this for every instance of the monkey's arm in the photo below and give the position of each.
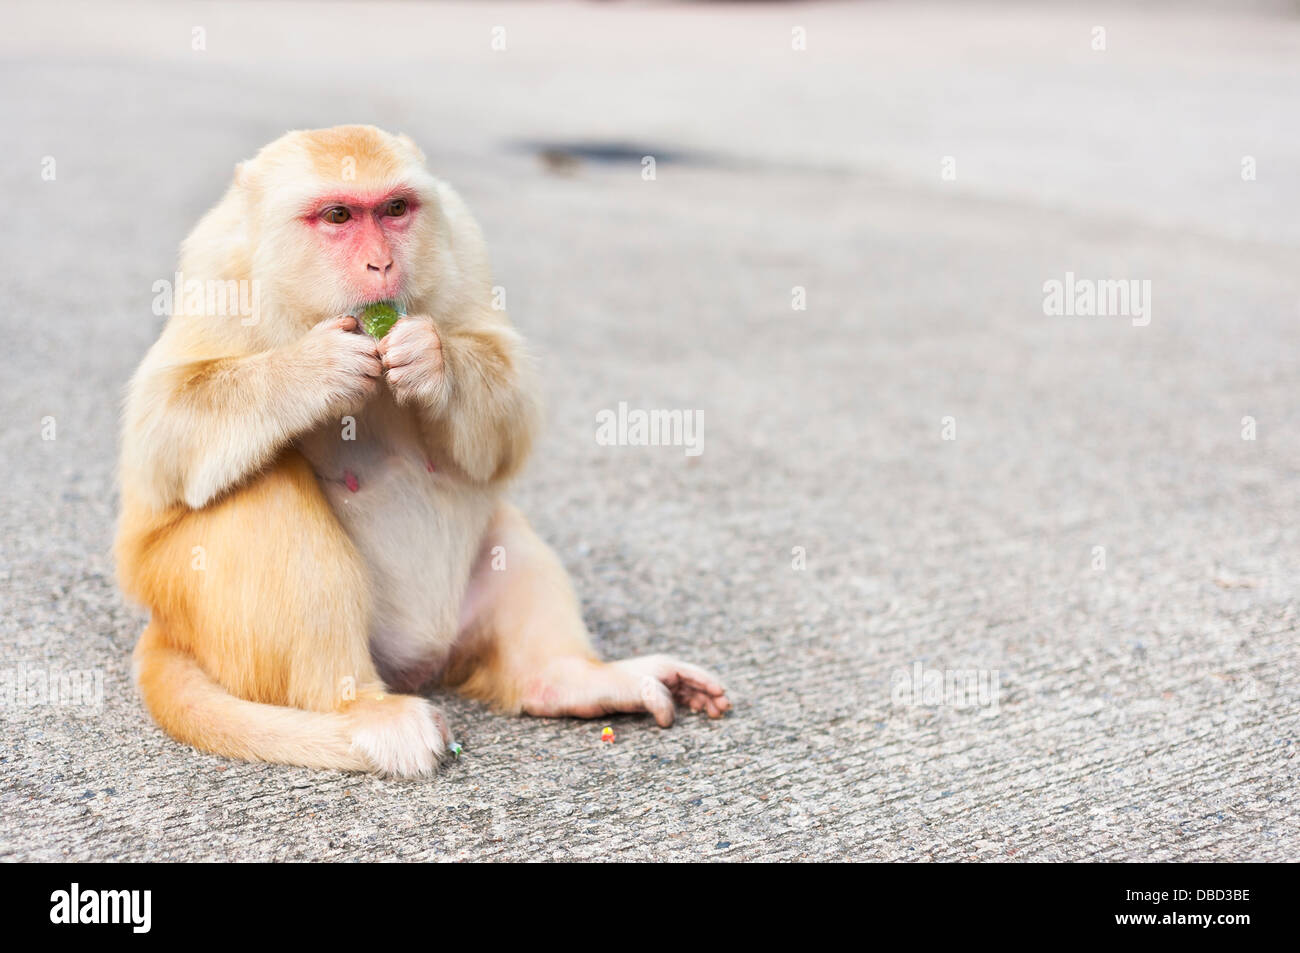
(472, 385)
(194, 428)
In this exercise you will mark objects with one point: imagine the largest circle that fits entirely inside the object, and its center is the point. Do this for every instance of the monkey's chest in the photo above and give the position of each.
(418, 531)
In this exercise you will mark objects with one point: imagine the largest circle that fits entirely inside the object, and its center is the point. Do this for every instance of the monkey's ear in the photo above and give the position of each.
(410, 144)
(246, 178)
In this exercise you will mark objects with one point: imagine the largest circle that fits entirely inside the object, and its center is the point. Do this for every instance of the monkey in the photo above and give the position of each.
(317, 520)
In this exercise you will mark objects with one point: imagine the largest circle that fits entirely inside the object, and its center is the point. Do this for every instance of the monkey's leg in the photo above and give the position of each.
(524, 648)
(258, 644)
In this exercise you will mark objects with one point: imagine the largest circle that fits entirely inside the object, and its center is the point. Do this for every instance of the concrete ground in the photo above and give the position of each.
(1146, 703)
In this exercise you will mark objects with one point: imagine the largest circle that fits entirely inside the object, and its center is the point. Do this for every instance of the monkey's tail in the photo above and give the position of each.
(195, 709)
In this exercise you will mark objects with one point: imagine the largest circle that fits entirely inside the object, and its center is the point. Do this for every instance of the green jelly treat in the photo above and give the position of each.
(378, 318)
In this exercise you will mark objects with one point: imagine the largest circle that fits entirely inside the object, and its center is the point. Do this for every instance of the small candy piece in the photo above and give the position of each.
(607, 734)
(378, 319)
(455, 749)
(351, 481)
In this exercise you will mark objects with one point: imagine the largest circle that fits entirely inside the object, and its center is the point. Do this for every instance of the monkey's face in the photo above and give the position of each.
(341, 218)
(363, 239)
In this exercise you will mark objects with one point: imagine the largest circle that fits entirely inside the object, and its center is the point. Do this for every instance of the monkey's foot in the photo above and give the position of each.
(651, 683)
(399, 736)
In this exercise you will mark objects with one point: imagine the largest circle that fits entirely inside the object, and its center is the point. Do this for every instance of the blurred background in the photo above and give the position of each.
(920, 170)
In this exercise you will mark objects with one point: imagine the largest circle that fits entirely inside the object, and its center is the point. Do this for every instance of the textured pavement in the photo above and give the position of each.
(1147, 691)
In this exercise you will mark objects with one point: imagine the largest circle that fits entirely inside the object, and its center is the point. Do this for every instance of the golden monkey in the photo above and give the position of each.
(316, 519)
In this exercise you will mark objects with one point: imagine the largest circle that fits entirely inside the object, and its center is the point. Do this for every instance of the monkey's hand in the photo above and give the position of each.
(199, 427)
(340, 361)
(412, 356)
(469, 380)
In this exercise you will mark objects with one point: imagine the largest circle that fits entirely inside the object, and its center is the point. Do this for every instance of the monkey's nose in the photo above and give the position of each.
(383, 268)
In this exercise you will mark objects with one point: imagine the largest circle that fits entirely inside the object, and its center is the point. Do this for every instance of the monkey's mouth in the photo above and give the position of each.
(394, 298)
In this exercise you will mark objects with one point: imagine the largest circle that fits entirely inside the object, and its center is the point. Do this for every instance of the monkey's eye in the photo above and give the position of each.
(396, 208)
(336, 215)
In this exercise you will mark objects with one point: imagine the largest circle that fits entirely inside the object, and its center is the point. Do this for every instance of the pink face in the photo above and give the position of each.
(365, 235)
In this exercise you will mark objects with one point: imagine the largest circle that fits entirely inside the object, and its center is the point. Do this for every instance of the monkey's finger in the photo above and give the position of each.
(705, 682)
(658, 701)
(674, 673)
(403, 349)
(715, 705)
(396, 349)
(331, 324)
(713, 709)
(697, 689)
(363, 347)
(395, 359)
(400, 330)
(347, 322)
(398, 376)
